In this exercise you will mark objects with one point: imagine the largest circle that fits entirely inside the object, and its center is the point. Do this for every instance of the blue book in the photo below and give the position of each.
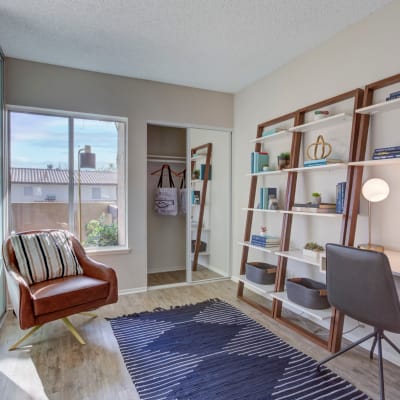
(392, 148)
(340, 196)
(203, 171)
(384, 157)
(261, 159)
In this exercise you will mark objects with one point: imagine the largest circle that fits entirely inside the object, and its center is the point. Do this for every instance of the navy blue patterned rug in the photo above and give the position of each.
(211, 350)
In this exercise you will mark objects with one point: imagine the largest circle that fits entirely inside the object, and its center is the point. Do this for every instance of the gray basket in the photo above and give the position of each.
(307, 293)
(260, 272)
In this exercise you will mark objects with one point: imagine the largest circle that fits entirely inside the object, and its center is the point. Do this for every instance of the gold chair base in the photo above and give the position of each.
(67, 323)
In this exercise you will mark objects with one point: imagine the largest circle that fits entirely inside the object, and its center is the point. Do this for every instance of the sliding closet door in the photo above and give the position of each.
(215, 231)
(2, 277)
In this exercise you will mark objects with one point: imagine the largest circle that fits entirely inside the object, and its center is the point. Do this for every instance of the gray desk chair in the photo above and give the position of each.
(360, 284)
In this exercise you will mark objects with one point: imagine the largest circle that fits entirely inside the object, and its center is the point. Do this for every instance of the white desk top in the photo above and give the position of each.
(394, 259)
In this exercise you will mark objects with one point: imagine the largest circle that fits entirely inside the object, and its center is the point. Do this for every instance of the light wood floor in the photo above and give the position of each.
(171, 277)
(57, 367)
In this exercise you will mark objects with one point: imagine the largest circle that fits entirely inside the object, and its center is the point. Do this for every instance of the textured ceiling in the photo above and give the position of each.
(220, 45)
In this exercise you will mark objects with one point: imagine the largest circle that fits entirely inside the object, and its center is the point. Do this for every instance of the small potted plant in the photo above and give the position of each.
(316, 198)
(313, 250)
(284, 160)
(196, 174)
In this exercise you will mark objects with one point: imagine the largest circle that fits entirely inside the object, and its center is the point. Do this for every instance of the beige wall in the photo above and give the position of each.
(363, 53)
(42, 85)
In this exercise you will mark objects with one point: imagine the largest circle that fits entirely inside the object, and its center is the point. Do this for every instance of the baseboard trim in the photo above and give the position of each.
(157, 270)
(123, 292)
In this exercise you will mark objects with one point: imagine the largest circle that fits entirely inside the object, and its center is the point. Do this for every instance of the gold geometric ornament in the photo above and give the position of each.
(321, 149)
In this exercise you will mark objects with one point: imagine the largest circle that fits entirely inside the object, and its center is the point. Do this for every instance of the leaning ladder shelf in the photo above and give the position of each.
(348, 218)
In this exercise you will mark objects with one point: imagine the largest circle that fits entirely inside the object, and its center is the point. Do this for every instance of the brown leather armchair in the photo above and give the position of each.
(39, 303)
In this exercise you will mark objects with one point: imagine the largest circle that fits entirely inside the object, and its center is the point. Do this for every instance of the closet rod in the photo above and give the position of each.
(166, 159)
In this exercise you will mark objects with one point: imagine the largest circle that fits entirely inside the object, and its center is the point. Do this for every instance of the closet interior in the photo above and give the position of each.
(192, 243)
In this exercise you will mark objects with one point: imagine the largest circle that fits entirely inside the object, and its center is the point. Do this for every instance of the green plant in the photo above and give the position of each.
(196, 174)
(313, 246)
(285, 156)
(316, 194)
(99, 233)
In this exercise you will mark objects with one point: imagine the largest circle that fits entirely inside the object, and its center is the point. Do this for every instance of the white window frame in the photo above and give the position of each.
(122, 249)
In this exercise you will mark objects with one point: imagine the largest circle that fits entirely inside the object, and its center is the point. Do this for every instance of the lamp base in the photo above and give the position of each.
(370, 246)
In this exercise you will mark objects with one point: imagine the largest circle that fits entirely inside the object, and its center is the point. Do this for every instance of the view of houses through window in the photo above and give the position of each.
(49, 190)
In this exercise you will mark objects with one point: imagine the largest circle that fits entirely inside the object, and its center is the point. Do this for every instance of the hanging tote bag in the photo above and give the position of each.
(166, 198)
(182, 200)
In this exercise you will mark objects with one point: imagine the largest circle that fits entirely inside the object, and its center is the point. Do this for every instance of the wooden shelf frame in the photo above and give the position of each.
(251, 209)
(207, 153)
(348, 218)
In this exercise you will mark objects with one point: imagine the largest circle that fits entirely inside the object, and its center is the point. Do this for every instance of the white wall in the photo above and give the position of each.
(363, 53)
(42, 85)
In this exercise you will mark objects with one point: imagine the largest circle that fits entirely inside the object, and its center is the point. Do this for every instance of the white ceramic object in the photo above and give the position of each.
(316, 255)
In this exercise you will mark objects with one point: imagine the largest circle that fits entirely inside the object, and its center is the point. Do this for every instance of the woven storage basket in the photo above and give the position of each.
(307, 293)
(260, 272)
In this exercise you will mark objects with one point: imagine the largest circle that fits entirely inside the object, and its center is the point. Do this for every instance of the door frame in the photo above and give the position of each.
(188, 126)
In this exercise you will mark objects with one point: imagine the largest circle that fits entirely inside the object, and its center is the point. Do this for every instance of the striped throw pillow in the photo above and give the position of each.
(45, 255)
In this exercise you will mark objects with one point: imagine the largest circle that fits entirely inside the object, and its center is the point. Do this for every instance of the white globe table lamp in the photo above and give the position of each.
(374, 190)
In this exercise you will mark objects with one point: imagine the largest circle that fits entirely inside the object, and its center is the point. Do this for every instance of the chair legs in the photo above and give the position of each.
(30, 333)
(378, 336)
(339, 353)
(72, 329)
(67, 323)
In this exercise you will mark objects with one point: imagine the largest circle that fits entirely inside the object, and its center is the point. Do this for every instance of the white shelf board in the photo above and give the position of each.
(299, 256)
(376, 163)
(321, 123)
(380, 107)
(194, 229)
(203, 253)
(262, 173)
(262, 138)
(264, 290)
(329, 215)
(317, 167)
(262, 210)
(270, 250)
(318, 314)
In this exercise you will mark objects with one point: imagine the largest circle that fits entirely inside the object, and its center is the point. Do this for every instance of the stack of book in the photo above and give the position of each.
(340, 194)
(265, 241)
(266, 193)
(393, 95)
(322, 161)
(316, 208)
(386, 152)
(258, 161)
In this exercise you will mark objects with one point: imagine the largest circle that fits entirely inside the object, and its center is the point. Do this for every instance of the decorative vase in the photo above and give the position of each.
(316, 200)
(282, 162)
(312, 254)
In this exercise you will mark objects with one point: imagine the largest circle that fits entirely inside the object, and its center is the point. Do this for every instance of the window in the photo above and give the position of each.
(96, 193)
(28, 191)
(75, 167)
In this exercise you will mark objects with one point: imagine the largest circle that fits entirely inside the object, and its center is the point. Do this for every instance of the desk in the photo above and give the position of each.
(394, 259)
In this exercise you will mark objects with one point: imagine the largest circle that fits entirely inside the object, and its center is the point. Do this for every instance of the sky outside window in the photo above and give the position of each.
(40, 141)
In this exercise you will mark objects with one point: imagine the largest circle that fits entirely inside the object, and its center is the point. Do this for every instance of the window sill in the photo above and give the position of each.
(108, 251)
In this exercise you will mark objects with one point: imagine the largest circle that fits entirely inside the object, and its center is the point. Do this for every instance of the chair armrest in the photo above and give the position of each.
(97, 270)
(20, 297)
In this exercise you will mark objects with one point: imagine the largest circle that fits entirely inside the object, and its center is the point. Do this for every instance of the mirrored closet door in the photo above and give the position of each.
(209, 222)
